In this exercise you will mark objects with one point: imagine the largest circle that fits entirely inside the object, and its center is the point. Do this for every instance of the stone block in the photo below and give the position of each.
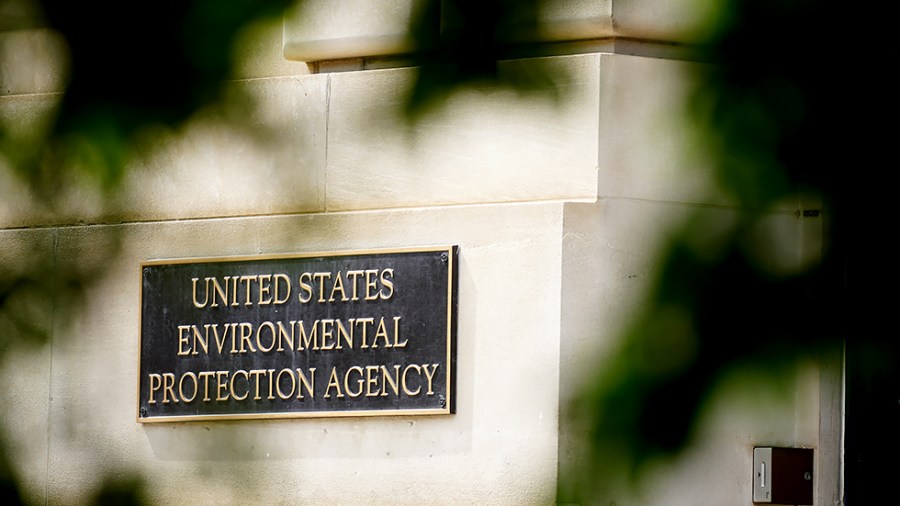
(649, 149)
(326, 30)
(481, 146)
(32, 61)
(261, 153)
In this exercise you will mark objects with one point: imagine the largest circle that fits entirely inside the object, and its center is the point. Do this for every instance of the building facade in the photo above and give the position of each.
(561, 208)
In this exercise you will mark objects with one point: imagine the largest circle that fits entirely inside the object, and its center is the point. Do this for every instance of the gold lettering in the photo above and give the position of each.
(286, 292)
(194, 291)
(271, 327)
(406, 390)
(430, 377)
(333, 382)
(382, 333)
(246, 332)
(365, 327)
(271, 380)
(168, 387)
(234, 290)
(220, 341)
(221, 387)
(201, 340)
(247, 281)
(387, 279)
(182, 340)
(154, 386)
(321, 277)
(354, 275)
(371, 283)
(371, 380)
(234, 339)
(305, 339)
(218, 290)
(342, 331)
(386, 378)
(327, 325)
(278, 384)
(338, 286)
(359, 381)
(231, 385)
(256, 373)
(306, 287)
(206, 375)
(283, 336)
(398, 344)
(265, 287)
(181, 386)
(306, 382)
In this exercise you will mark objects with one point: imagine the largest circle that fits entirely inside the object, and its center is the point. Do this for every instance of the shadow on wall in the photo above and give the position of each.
(778, 113)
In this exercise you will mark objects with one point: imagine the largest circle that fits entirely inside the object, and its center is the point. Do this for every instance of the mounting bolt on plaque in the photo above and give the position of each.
(444, 257)
(143, 412)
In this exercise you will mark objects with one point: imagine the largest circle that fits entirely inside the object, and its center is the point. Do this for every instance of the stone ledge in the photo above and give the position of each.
(330, 30)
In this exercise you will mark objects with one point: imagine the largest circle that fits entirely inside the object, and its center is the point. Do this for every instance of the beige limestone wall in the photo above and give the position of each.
(500, 447)
(560, 211)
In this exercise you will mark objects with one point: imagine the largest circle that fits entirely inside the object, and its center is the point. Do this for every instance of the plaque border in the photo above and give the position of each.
(450, 336)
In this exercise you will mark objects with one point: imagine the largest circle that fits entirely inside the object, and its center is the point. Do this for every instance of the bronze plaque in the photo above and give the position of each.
(330, 334)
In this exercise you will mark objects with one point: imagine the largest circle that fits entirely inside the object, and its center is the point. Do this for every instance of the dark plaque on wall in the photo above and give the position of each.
(325, 334)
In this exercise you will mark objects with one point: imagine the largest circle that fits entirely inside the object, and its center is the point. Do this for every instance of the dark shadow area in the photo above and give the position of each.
(127, 490)
(785, 118)
(460, 44)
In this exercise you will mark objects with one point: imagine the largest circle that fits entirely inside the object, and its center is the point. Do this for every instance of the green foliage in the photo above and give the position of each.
(460, 43)
(130, 68)
(783, 119)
